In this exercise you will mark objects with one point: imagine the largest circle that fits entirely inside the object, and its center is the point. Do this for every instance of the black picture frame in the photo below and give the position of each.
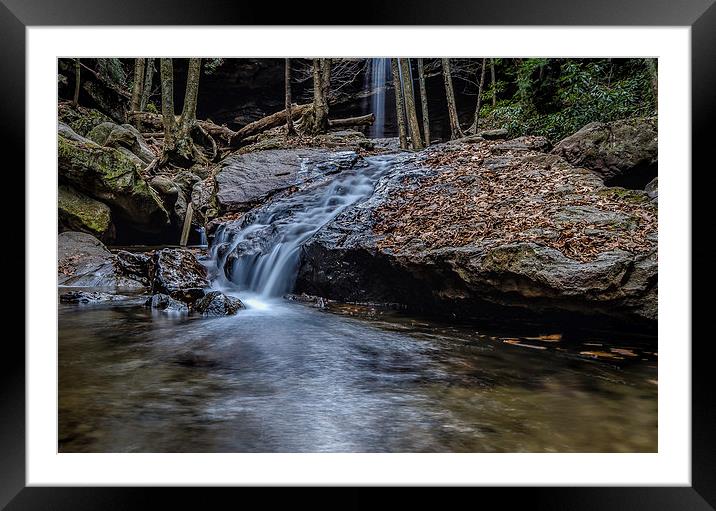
(700, 15)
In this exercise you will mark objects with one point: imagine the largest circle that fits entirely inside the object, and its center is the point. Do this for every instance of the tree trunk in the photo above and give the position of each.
(76, 97)
(476, 122)
(137, 89)
(147, 90)
(494, 91)
(399, 103)
(424, 101)
(188, 115)
(317, 120)
(167, 77)
(326, 78)
(413, 124)
(290, 130)
(455, 130)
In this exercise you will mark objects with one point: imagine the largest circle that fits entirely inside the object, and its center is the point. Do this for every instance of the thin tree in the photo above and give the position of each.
(316, 121)
(137, 88)
(290, 130)
(168, 119)
(653, 74)
(455, 131)
(424, 101)
(395, 70)
(76, 97)
(188, 114)
(147, 90)
(476, 122)
(415, 139)
(494, 91)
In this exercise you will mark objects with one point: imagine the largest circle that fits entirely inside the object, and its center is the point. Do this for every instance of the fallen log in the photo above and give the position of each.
(271, 121)
(363, 120)
(155, 121)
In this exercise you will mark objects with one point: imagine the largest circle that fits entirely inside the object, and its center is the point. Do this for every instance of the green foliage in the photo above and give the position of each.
(151, 107)
(556, 97)
(210, 65)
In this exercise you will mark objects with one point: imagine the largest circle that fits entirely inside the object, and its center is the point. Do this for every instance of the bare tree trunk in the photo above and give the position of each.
(455, 130)
(476, 122)
(290, 130)
(399, 103)
(317, 120)
(413, 124)
(167, 76)
(147, 90)
(326, 78)
(188, 115)
(424, 101)
(492, 73)
(137, 88)
(76, 97)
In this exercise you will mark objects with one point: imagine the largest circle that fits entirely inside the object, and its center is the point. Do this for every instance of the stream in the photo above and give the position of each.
(286, 377)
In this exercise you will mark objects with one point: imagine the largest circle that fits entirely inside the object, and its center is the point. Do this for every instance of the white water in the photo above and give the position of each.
(379, 71)
(266, 247)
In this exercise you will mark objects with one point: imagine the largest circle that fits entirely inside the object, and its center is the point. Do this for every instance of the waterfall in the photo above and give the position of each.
(379, 71)
(261, 253)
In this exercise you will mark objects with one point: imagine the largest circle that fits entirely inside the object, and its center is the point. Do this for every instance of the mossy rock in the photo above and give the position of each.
(82, 120)
(112, 177)
(78, 212)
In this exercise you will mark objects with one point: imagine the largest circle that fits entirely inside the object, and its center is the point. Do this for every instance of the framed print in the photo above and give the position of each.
(422, 249)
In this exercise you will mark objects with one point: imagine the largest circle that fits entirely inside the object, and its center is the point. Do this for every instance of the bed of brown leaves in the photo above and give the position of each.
(471, 199)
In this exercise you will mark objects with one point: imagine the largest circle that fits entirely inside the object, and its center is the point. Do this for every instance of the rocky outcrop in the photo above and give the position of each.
(216, 303)
(79, 119)
(247, 180)
(621, 152)
(77, 212)
(177, 273)
(91, 297)
(474, 233)
(108, 175)
(83, 261)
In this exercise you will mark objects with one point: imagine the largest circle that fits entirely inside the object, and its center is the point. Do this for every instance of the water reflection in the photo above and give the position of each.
(282, 377)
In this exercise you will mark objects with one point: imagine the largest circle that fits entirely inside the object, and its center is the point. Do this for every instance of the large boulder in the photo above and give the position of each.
(77, 212)
(177, 273)
(79, 119)
(216, 303)
(83, 261)
(247, 180)
(620, 152)
(475, 233)
(108, 175)
(109, 134)
(167, 304)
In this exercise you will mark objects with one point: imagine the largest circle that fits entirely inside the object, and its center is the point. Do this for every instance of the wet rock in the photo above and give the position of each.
(247, 180)
(83, 261)
(78, 212)
(615, 150)
(108, 175)
(177, 273)
(652, 188)
(314, 301)
(88, 297)
(135, 266)
(216, 303)
(167, 304)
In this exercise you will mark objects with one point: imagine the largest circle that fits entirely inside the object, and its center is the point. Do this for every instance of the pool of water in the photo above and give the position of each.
(285, 377)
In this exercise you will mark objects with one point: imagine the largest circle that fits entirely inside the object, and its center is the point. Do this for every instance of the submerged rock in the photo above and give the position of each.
(177, 273)
(216, 303)
(167, 304)
(77, 212)
(619, 152)
(88, 297)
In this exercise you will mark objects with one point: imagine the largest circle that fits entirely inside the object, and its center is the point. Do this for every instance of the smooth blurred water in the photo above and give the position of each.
(379, 74)
(283, 377)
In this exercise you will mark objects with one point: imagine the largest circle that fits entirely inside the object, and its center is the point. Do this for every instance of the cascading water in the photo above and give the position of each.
(379, 71)
(260, 254)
